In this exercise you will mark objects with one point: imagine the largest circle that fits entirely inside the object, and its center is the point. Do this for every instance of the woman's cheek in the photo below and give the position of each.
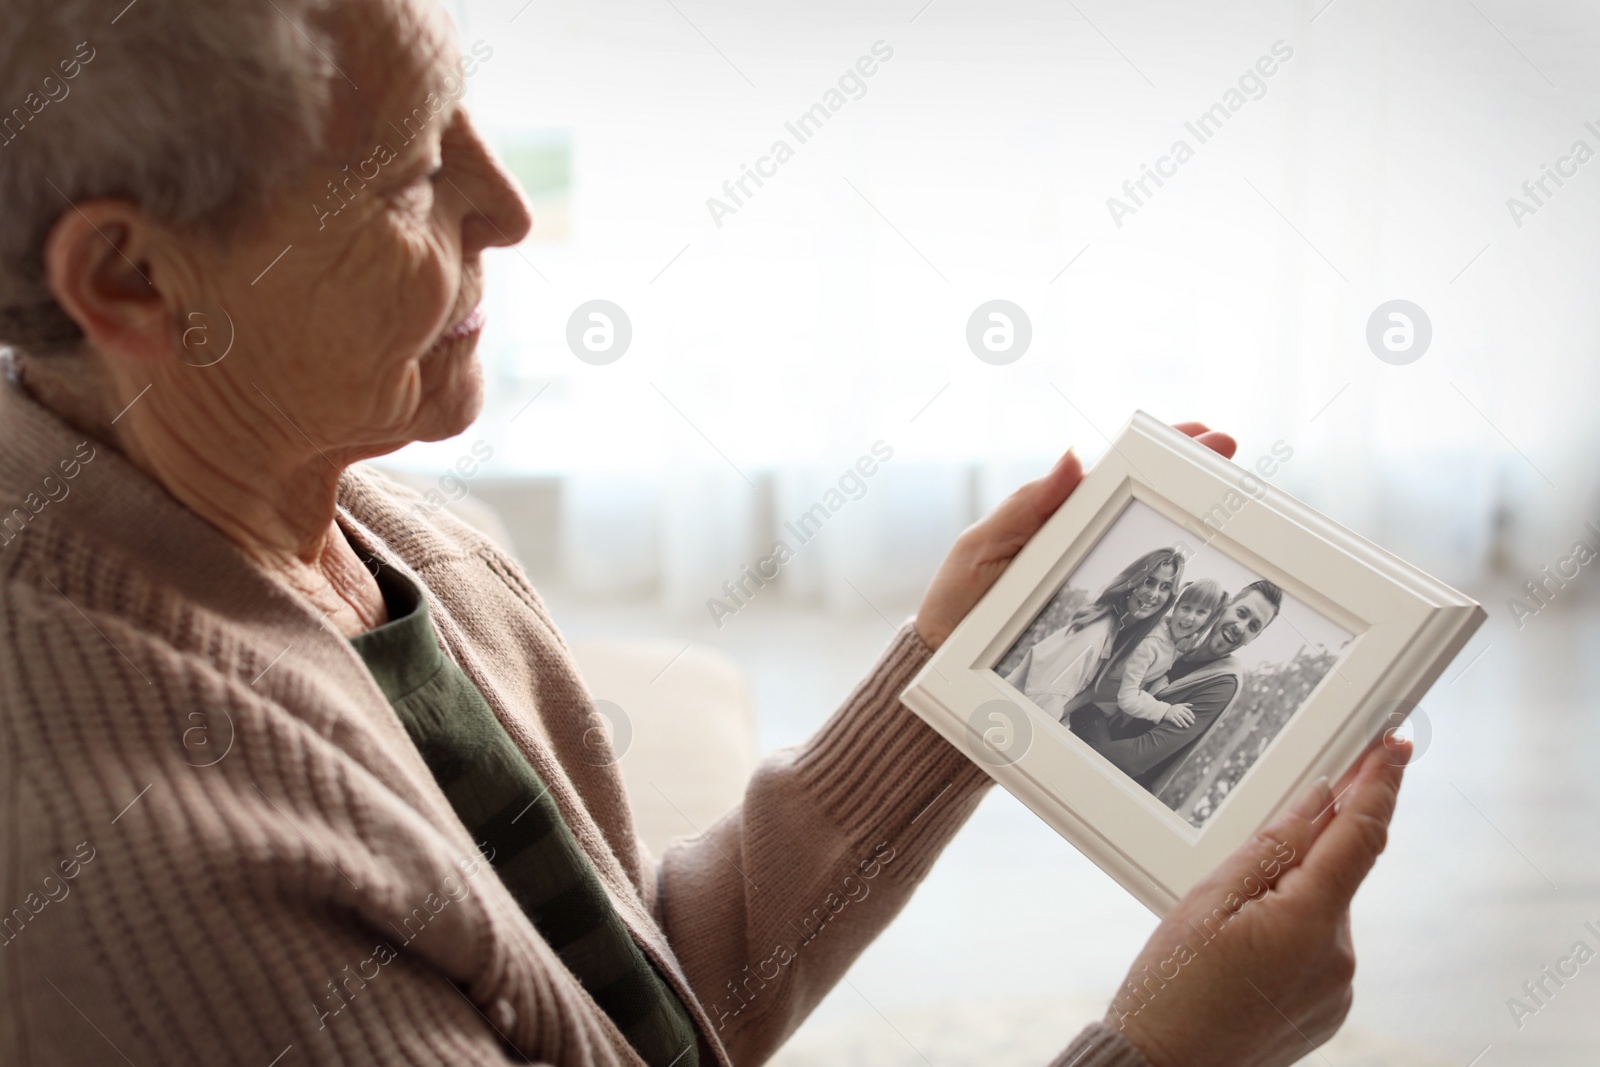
(437, 279)
(415, 201)
(421, 284)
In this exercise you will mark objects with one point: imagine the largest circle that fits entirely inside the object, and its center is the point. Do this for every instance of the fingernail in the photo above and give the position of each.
(1062, 462)
(1316, 798)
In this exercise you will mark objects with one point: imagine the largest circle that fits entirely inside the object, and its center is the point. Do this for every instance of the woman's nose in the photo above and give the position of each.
(498, 214)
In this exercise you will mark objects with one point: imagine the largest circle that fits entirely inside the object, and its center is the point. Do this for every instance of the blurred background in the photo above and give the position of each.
(756, 342)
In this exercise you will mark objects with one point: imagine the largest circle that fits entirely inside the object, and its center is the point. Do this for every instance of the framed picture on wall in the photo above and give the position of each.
(1177, 653)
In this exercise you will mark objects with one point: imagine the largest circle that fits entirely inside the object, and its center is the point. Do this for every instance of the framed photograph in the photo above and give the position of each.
(1179, 652)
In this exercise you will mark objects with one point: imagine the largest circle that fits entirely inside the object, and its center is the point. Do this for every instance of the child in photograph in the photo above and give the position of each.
(1182, 629)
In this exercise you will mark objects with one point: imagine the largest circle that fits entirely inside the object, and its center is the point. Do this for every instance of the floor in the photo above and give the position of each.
(1015, 939)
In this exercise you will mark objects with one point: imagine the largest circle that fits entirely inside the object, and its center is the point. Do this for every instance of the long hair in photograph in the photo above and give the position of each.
(1113, 599)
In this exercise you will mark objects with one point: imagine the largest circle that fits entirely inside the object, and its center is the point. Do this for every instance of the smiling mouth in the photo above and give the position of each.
(464, 329)
(1231, 633)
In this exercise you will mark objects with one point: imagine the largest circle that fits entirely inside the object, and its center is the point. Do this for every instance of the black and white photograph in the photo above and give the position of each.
(1172, 660)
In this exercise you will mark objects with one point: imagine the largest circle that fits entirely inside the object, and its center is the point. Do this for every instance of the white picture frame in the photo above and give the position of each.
(1403, 629)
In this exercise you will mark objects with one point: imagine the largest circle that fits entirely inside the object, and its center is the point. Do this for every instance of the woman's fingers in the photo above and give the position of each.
(1281, 844)
(1295, 948)
(1356, 836)
(1026, 510)
(985, 549)
(1021, 514)
(1332, 835)
(1220, 443)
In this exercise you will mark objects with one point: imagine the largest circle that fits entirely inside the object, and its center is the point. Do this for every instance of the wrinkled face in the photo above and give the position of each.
(1187, 618)
(1242, 619)
(1151, 594)
(364, 333)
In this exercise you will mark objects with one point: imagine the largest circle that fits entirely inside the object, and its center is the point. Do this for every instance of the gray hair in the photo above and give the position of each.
(197, 110)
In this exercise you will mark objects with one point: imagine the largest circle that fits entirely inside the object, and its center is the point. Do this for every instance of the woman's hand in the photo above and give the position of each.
(984, 549)
(1242, 975)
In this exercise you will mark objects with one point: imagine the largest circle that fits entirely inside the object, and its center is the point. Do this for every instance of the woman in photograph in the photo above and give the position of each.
(1055, 672)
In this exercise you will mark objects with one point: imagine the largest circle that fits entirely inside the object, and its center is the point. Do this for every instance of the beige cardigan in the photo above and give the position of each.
(220, 846)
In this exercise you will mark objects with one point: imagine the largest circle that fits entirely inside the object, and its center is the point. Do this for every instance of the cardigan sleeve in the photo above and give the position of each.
(773, 903)
(1100, 1046)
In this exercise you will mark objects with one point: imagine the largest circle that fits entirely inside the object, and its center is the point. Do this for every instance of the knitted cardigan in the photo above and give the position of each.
(220, 847)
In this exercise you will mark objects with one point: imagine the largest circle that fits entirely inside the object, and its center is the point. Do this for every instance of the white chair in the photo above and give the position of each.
(692, 722)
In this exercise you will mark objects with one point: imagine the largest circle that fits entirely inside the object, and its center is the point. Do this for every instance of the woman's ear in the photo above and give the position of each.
(104, 264)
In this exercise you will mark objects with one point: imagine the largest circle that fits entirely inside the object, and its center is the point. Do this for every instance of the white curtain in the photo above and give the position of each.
(829, 312)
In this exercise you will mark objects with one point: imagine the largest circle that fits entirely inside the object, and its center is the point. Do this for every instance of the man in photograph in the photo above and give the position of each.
(1207, 678)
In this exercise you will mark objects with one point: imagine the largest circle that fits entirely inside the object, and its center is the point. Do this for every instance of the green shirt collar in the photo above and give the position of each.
(402, 654)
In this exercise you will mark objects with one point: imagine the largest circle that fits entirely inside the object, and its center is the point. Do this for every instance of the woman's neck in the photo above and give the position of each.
(260, 482)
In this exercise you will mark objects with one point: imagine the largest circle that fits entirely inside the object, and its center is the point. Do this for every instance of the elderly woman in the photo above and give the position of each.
(296, 773)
